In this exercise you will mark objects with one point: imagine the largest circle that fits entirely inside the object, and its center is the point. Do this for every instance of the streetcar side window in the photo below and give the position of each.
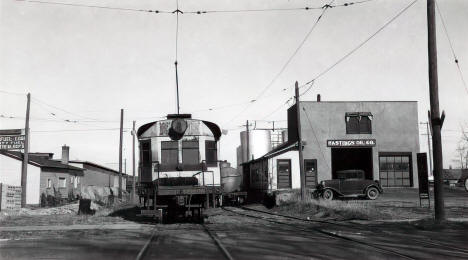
(169, 152)
(211, 153)
(190, 152)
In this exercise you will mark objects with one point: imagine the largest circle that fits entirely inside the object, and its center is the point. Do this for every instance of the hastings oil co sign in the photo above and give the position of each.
(12, 139)
(351, 143)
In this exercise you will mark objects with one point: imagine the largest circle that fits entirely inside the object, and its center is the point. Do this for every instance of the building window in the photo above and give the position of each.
(190, 152)
(395, 170)
(72, 179)
(169, 152)
(359, 123)
(211, 153)
(49, 183)
(62, 182)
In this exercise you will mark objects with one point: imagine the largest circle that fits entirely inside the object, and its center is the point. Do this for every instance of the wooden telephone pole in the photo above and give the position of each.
(436, 121)
(24, 169)
(120, 152)
(133, 161)
(299, 143)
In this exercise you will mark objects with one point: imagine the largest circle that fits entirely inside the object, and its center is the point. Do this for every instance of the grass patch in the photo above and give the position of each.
(335, 209)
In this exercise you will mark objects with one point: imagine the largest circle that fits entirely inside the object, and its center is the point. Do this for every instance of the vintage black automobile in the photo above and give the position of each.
(350, 183)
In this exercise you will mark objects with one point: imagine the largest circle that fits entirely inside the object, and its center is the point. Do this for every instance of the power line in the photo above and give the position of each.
(283, 68)
(79, 130)
(95, 6)
(12, 93)
(362, 43)
(305, 8)
(315, 136)
(451, 47)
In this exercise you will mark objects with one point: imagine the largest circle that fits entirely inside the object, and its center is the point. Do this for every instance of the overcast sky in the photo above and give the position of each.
(85, 64)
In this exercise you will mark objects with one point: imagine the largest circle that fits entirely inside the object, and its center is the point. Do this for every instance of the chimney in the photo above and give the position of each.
(318, 98)
(65, 154)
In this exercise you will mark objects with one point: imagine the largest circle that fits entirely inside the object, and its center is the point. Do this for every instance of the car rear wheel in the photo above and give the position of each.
(372, 193)
(327, 194)
(466, 184)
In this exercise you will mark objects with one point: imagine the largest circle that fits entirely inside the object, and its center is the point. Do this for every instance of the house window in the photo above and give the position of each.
(211, 153)
(169, 152)
(72, 179)
(359, 123)
(190, 152)
(62, 182)
(49, 183)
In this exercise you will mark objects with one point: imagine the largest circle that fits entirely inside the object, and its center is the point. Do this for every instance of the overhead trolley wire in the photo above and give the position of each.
(283, 68)
(349, 53)
(95, 6)
(305, 8)
(361, 44)
(455, 59)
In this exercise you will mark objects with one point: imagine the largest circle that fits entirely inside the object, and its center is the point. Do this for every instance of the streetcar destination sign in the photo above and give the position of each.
(351, 143)
(12, 139)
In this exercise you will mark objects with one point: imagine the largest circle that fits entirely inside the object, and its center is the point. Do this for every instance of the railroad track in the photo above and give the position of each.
(323, 232)
(153, 239)
(458, 250)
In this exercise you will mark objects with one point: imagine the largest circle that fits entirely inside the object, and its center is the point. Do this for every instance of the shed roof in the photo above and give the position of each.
(41, 161)
(96, 165)
(280, 149)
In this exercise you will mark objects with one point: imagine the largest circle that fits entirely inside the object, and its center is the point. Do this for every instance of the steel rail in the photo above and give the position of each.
(329, 234)
(218, 243)
(144, 249)
(459, 250)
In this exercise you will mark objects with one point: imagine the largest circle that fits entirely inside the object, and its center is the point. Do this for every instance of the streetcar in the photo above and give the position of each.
(179, 167)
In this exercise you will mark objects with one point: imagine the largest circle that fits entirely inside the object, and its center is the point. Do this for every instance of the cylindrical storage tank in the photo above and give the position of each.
(231, 180)
(259, 143)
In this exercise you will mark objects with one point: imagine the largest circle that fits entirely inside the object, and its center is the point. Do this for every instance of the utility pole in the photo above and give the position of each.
(120, 152)
(24, 169)
(436, 122)
(247, 138)
(133, 161)
(299, 143)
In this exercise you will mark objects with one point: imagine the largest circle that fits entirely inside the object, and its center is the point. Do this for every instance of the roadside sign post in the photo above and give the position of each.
(423, 178)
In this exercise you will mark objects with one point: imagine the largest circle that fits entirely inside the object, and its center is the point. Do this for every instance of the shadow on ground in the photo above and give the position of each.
(133, 214)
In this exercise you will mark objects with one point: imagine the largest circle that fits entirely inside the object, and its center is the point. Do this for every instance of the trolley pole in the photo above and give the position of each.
(24, 169)
(120, 152)
(299, 143)
(436, 122)
(133, 162)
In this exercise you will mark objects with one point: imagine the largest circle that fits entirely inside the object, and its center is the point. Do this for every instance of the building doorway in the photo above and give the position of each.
(352, 159)
(284, 173)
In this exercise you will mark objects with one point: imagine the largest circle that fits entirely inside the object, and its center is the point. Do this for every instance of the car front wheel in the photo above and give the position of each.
(466, 184)
(327, 194)
(372, 193)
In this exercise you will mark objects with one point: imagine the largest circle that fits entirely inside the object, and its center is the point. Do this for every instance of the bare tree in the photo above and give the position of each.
(462, 149)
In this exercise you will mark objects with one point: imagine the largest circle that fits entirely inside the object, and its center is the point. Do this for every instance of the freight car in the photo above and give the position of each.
(179, 167)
